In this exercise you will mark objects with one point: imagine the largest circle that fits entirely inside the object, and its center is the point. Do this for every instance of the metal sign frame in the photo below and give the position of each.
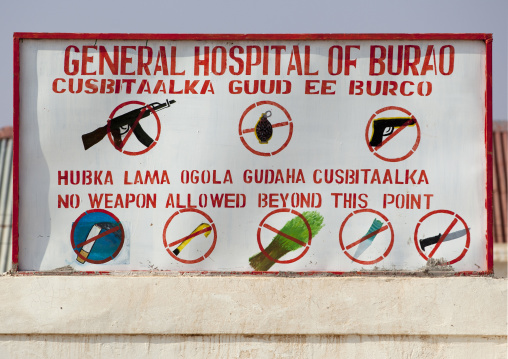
(486, 38)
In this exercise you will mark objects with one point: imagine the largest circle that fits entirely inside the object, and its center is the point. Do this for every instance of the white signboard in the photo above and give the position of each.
(281, 153)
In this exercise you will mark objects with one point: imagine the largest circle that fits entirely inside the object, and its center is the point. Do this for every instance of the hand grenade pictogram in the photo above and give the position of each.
(264, 129)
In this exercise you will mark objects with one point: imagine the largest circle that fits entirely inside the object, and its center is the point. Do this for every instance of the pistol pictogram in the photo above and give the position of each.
(385, 126)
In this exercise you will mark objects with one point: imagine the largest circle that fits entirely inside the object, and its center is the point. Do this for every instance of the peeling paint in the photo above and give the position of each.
(437, 265)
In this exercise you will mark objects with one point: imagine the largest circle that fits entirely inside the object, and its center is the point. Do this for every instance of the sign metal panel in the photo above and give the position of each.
(253, 153)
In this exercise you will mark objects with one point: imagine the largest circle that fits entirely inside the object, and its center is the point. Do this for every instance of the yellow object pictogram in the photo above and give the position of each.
(202, 228)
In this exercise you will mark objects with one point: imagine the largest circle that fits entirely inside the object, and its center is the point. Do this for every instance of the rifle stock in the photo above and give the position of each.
(94, 137)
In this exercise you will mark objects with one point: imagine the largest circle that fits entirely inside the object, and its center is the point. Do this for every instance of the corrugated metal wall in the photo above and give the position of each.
(5, 199)
(499, 144)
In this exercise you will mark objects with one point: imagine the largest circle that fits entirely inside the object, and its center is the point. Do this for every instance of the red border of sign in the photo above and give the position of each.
(15, 158)
(485, 37)
(240, 37)
(488, 150)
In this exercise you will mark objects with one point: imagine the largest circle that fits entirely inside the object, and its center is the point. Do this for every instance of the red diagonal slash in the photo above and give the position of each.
(367, 236)
(393, 134)
(129, 133)
(443, 237)
(103, 234)
(192, 235)
(267, 226)
(280, 124)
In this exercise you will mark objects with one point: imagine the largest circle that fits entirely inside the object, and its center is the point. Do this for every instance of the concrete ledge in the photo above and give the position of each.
(157, 305)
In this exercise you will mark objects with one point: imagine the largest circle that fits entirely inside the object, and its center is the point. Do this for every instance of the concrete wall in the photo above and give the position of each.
(252, 317)
(500, 260)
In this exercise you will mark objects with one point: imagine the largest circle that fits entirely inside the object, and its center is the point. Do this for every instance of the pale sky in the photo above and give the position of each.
(259, 16)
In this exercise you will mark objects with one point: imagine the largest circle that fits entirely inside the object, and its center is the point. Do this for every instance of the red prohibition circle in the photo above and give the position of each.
(254, 105)
(381, 257)
(261, 224)
(411, 151)
(134, 153)
(74, 244)
(445, 211)
(214, 242)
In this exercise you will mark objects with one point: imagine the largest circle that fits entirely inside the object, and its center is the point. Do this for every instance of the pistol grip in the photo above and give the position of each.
(117, 138)
(377, 137)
